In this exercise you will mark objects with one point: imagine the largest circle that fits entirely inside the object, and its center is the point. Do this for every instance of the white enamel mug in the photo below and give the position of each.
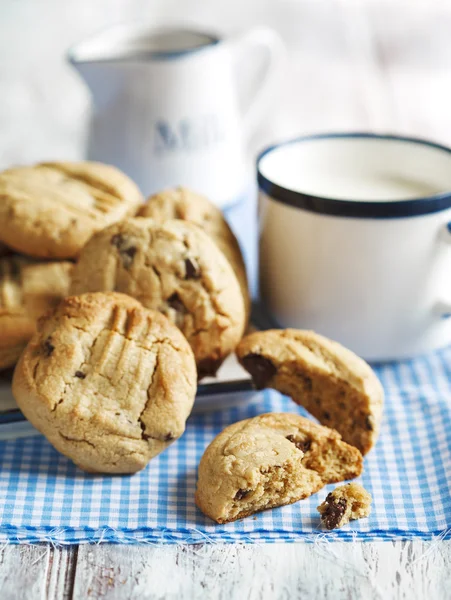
(174, 105)
(355, 241)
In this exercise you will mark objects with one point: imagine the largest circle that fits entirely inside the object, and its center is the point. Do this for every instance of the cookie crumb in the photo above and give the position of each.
(346, 503)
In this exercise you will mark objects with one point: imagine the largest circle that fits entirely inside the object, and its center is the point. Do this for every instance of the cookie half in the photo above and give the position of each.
(27, 291)
(331, 382)
(182, 203)
(173, 267)
(346, 503)
(268, 461)
(50, 210)
(108, 382)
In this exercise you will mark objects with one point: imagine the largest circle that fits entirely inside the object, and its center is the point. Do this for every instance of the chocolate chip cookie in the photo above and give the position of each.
(346, 503)
(173, 267)
(268, 461)
(332, 383)
(50, 210)
(27, 291)
(182, 203)
(108, 382)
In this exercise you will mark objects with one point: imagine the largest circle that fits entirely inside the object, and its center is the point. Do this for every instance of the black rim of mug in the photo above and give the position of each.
(343, 208)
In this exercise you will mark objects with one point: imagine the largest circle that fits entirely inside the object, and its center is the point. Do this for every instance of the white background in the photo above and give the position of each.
(332, 48)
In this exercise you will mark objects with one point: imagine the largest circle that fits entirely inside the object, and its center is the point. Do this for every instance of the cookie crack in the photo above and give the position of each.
(90, 182)
(144, 435)
(76, 440)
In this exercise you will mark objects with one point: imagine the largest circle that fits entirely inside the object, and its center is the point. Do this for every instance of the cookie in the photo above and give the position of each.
(108, 382)
(270, 460)
(173, 267)
(27, 291)
(344, 504)
(50, 210)
(332, 383)
(182, 203)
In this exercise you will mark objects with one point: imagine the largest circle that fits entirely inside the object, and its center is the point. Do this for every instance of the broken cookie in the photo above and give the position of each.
(331, 382)
(109, 383)
(268, 461)
(346, 503)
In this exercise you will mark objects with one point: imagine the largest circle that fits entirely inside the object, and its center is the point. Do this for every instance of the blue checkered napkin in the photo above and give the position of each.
(44, 497)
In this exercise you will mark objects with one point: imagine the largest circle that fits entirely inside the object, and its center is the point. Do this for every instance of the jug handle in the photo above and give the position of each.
(257, 100)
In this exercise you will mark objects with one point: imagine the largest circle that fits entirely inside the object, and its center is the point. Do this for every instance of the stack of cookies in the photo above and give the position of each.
(47, 213)
(113, 310)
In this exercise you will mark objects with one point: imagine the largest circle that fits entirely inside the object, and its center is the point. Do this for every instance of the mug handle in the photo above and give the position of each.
(443, 308)
(257, 97)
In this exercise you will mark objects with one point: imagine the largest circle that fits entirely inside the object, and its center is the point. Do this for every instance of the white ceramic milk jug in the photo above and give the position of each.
(173, 106)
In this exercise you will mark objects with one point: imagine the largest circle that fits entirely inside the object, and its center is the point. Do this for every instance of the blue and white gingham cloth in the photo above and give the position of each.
(44, 497)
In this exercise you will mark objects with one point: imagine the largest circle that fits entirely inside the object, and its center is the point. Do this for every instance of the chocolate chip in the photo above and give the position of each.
(126, 251)
(80, 374)
(169, 437)
(192, 270)
(261, 369)
(369, 423)
(302, 445)
(326, 415)
(242, 494)
(130, 252)
(117, 240)
(306, 381)
(48, 347)
(334, 512)
(176, 304)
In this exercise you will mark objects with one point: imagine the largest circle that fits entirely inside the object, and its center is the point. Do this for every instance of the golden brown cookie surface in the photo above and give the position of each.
(346, 503)
(27, 290)
(270, 460)
(331, 382)
(108, 382)
(182, 203)
(173, 267)
(50, 210)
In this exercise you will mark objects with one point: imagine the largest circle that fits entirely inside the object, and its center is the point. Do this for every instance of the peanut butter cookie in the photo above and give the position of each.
(182, 203)
(173, 267)
(346, 503)
(50, 210)
(332, 383)
(268, 461)
(108, 382)
(27, 291)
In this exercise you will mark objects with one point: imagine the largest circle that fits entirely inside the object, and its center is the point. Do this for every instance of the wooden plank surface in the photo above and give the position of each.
(398, 570)
(382, 66)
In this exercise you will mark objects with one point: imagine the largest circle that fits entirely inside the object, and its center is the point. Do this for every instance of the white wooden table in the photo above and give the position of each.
(379, 66)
